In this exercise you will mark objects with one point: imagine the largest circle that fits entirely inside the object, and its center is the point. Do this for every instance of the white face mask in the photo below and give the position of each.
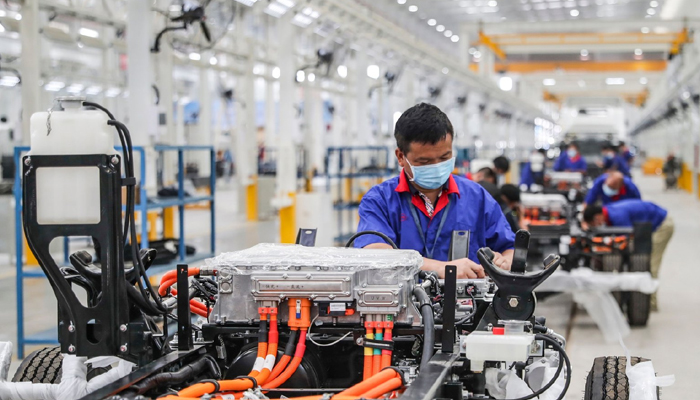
(537, 162)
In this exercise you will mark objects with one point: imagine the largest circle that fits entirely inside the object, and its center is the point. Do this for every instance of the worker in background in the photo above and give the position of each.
(627, 213)
(626, 154)
(571, 160)
(510, 205)
(487, 178)
(501, 166)
(612, 161)
(421, 207)
(533, 171)
(612, 187)
(672, 170)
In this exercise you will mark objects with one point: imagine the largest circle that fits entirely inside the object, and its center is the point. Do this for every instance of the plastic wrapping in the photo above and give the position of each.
(74, 383)
(268, 256)
(642, 378)
(505, 384)
(540, 373)
(585, 279)
(5, 359)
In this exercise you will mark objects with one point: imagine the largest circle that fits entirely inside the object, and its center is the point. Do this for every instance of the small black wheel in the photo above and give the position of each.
(607, 380)
(638, 304)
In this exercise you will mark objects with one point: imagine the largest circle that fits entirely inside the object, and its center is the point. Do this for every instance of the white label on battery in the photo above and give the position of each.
(269, 362)
(337, 307)
(259, 362)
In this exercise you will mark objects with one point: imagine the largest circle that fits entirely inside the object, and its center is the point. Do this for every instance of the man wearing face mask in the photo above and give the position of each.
(421, 207)
(614, 162)
(612, 187)
(533, 171)
(571, 161)
(627, 213)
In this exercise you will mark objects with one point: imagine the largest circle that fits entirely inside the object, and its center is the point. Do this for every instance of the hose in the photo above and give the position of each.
(185, 373)
(426, 311)
(369, 384)
(388, 386)
(363, 233)
(284, 361)
(293, 365)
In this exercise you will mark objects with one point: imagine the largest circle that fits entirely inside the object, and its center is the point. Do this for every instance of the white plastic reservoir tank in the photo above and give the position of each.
(69, 195)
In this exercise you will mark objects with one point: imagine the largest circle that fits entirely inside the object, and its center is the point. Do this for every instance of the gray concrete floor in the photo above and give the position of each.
(669, 339)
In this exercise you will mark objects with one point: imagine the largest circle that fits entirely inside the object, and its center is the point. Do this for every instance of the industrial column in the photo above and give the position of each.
(285, 198)
(30, 63)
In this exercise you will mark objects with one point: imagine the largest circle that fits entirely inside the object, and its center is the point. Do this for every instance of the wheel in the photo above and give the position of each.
(613, 263)
(41, 366)
(44, 366)
(638, 304)
(607, 379)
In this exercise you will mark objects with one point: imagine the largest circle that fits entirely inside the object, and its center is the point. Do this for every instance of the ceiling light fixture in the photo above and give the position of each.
(614, 81)
(654, 4)
(432, 22)
(651, 11)
(493, 3)
(276, 72)
(401, 1)
(643, 80)
(448, 33)
(445, 70)
(505, 83)
(645, 30)
(574, 13)
(440, 28)
(342, 71)
(584, 53)
(454, 38)
(213, 61)
(549, 82)
(412, 8)
(638, 52)
(195, 56)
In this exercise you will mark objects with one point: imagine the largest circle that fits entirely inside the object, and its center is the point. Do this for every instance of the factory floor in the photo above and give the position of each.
(670, 339)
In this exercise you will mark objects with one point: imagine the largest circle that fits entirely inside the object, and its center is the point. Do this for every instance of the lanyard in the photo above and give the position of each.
(428, 252)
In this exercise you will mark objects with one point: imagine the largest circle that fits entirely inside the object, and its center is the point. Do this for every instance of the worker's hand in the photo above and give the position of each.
(502, 261)
(466, 269)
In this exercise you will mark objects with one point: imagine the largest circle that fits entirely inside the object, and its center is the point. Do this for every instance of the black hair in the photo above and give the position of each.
(511, 192)
(488, 173)
(542, 151)
(608, 147)
(590, 212)
(3, 119)
(423, 123)
(502, 163)
(574, 144)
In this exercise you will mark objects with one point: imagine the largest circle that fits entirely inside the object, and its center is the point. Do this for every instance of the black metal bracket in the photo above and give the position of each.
(306, 237)
(184, 323)
(522, 242)
(448, 309)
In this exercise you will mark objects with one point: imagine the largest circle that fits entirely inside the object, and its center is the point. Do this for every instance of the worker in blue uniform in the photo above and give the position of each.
(532, 172)
(627, 213)
(612, 187)
(612, 161)
(571, 160)
(626, 153)
(421, 207)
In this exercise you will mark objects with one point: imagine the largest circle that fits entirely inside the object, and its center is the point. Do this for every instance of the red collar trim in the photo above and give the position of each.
(449, 188)
(623, 191)
(575, 159)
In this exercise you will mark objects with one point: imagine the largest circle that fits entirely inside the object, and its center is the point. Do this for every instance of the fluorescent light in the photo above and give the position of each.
(315, 14)
(412, 8)
(248, 3)
(574, 13)
(651, 11)
(638, 52)
(645, 29)
(342, 71)
(9, 81)
(18, 17)
(275, 9)
(75, 88)
(584, 53)
(643, 80)
(113, 92)
(213, 61)
(286, 3)
(54, 86)
(401, 1)
(312, 77)
(276, 72)
(432, 22)
(89, 32)
(2, 13)
(258, 69)
(505, 83)
(454, 38)
(93, 90)
(477, 54)
(301, 76)
(686, 95)
(493, 3)
(445, 70)
(448, 33)
(440, 28)
(195, 56)
(549, 82)
(373, 71)
(302, 20)
(614, 81)
(654, 4)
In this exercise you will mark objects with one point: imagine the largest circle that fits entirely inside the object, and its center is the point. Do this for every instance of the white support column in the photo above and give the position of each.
(30, 63)
(364, 132)
(204, 134)
(271, 111)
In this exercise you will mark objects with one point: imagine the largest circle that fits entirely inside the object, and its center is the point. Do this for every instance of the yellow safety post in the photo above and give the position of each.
(169, 222)
(288, 223)
(152, 226)
(252, 199)
(347, 195)
(31, 260)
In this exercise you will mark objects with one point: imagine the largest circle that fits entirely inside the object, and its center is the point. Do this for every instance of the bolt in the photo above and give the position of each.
(489, 327)
(346, 293)
(27, 161)
(71, 328)
(513, 302)
(395, 292)
(115, 160)
(543, 361)
(282, 296)
(71, 349)
(403, 306)
(359, 341)
(331, 296)
(123, 348)
(346, 279)
(308, 276)
(400, 285)
(122, 327)
(361, 292)
(285, 276)
(364, 285)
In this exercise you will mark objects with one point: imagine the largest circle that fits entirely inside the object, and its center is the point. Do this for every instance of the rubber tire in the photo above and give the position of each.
(45, 366)
(638, 304)
(613, 263)
(41, 366)
(607, 379)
